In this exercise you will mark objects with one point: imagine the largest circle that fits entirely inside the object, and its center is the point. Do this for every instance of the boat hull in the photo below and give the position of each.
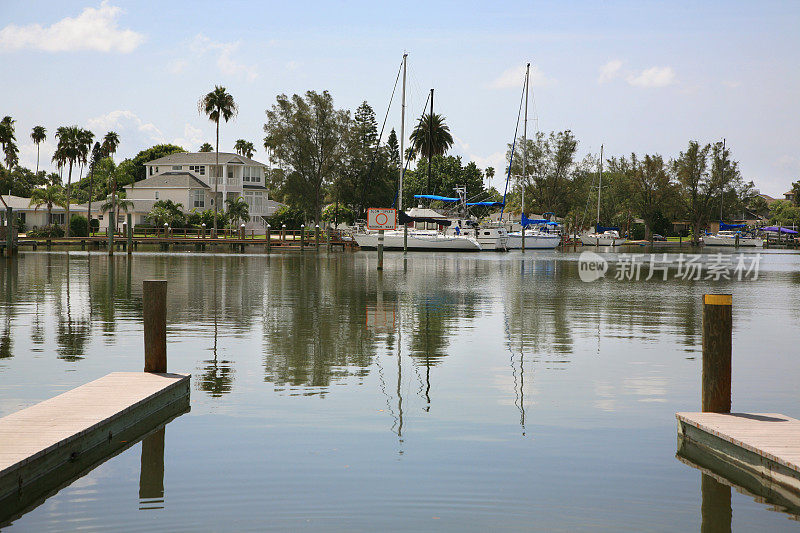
(724, 240)
(418, 242)
(602, 240)
(533, 242)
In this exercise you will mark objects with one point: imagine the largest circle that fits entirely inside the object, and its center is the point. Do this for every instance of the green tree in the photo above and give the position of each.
(110, 144)
(38, 136)
(167, 211)
(49, 196)
(20, 181)
(784, 212)
(206, 147)
(10, 150)
(245, 148)
(238, 211)
(114, 203)
(431, 136)
(306, 135)
(796, 192)
(394, 148)
(97, 155)
(216, 105)
(697, 184)
(68, 151)
(447, 173)
(649, 188)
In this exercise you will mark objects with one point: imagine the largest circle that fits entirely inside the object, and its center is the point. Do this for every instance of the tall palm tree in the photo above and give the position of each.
(86, 138)
(110, 144)
(206, 147)
(38, 135)
(68, 151)
(244, 148)
(10, 149)
(116, 201)
(215, 105)
(431, 136)
(49, 196)
(97, 155)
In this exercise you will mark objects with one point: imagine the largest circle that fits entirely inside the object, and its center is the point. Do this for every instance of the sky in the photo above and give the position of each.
(639, 76)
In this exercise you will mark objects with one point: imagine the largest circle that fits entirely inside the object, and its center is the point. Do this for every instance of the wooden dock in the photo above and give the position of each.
(763, 445)
(46, 446)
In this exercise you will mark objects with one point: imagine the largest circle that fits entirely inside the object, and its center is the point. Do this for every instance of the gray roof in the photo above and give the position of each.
(20, 203)
(171, 180)
(203, 158)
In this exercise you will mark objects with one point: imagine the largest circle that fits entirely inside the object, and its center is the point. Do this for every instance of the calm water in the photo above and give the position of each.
(456, 392)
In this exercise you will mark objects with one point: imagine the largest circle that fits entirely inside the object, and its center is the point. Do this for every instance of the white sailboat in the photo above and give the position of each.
(413, 238)
(608, 237)
(732, 238)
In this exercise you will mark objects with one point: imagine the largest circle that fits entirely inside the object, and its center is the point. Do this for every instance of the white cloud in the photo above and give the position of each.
(652, 77)
(609, 71)
(202, 45)
(177, 66)
(515, 77)
(94, 29)
(125, 121)
(192, 138)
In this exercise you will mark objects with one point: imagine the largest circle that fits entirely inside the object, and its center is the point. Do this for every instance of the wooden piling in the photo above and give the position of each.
(380, 249)
(9, 231)
(717, 334)
(316, 237)
(302, 237)
(269, 239)
(154, 312)
(130, 233)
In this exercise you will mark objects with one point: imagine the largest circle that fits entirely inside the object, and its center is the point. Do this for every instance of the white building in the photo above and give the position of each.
(189, 179)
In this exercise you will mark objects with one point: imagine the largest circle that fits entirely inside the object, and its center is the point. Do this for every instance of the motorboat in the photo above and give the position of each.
(607, 238)
(732, 238)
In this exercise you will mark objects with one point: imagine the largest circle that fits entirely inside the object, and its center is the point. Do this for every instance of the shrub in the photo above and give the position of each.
(52, 231)
(342, 215)
(292, 217)
(78, 226)
(95, 225)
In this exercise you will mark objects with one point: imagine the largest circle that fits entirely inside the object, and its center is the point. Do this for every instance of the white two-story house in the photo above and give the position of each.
(189, 179)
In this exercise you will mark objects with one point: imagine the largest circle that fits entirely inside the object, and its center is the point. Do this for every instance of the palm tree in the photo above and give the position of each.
(69, 150)
(50, 195)
(431, 136)
(97, 155)
(238, 210)
(110, 144)
(38, 135)
(10, 149)
(244, 148)
(86, 138)
(206, 147)
(116, 201)
(215, 105)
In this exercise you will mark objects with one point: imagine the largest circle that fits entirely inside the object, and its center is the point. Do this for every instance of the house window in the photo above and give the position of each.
(156, 195)
(151, 171)
(176, 167)
(251, 174)
(198, 198)
(198, 169)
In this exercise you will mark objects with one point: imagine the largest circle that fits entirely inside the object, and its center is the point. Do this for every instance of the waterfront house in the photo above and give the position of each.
(189, 179)
(34, 217)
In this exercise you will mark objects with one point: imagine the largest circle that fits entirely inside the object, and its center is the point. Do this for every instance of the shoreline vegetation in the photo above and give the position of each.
(328, 166)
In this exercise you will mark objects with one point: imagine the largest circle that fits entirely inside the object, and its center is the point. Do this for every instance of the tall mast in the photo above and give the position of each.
(525, 150)
(430, 145)
(402, 138)
(722, 185)
(598, 189)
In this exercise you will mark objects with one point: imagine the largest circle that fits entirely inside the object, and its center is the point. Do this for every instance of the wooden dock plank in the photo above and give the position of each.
(766, 444)
(39, 439)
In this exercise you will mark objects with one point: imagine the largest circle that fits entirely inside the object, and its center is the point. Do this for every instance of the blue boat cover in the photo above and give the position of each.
(724, 226)
(435, 197)
(601, 229)
(489, 204)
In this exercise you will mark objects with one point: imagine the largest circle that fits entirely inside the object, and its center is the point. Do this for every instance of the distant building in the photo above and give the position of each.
(34, 217)
(789, 195)
(189, 179)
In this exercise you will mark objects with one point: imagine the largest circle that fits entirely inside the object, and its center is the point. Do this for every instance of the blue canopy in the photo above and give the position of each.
(489, 204)
(775, 229)
(525, 221)
(724, 226)
(601, 229)
(435, 197)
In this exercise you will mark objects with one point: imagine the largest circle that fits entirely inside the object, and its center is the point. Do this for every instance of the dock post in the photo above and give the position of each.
(130, 233)
(154, 313)
(302, 237)
(316, 237)
(283, 234)
(717, 333)
(380, 249)
(269, 239)
(9, 231)
(110, 235)
(328, 231)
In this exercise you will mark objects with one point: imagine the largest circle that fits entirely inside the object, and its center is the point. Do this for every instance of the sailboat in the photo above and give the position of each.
(602, 236)
(415, 239)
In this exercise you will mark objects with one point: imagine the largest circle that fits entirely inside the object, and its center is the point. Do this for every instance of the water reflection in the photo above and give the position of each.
(151, 473)
(716, 505)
